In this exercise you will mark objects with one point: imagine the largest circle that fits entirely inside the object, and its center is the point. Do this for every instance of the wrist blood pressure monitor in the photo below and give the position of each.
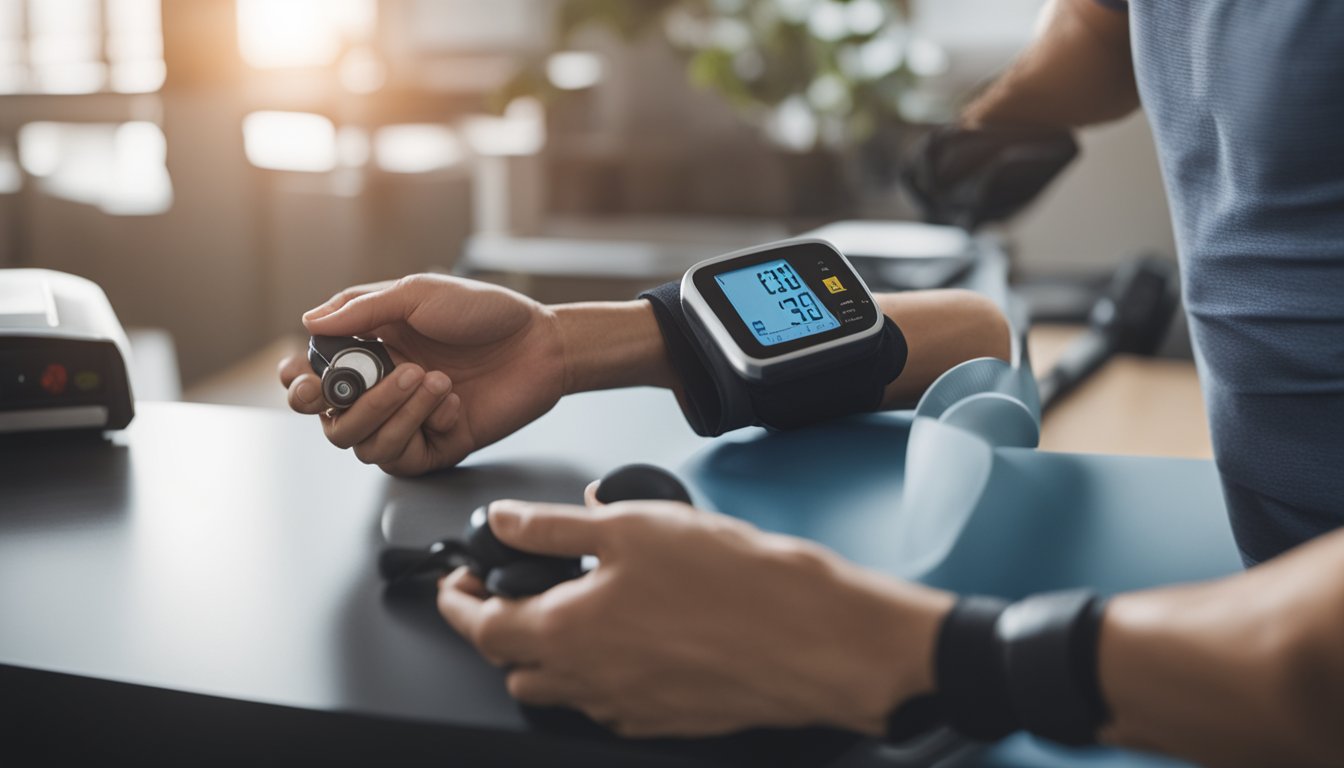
(779, 310)
(779, 335)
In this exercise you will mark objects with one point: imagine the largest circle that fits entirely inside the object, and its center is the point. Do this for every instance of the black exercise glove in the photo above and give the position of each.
(969, 176)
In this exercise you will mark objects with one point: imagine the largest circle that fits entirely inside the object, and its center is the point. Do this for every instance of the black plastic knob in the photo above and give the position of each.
(342, 387)
(507, 571)
(511, 572)
(641, 481)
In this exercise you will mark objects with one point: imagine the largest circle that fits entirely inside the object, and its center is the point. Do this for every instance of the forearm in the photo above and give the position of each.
(1244, 671)
(613, 344)
(942, 329)
(1079, 71)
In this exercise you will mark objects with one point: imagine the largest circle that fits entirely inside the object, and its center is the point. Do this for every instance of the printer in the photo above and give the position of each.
(63, 355)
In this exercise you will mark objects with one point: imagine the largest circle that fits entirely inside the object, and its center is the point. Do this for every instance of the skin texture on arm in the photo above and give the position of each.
(942, 329)
(1246, 671)
(1077, 72)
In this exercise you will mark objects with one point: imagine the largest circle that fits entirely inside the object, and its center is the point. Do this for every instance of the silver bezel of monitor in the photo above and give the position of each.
(755, 368)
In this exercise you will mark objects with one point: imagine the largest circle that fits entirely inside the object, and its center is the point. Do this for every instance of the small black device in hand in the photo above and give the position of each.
(510, 572)
(348, 366)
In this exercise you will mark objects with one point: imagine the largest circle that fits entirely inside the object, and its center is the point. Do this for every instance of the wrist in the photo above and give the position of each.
(902, 648)
(606, 345)
(923, 612)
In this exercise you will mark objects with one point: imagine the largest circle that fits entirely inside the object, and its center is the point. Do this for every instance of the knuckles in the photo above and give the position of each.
(339, 438)
(520, 688)
(491, 629)
(800, 555)
(400, 468)
(550, 628)
(370, 452)
(290, 369)
(419, 283)
(626, 520)
(558, 626)
(632, 523)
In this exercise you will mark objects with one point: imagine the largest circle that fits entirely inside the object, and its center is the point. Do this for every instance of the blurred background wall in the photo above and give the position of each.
(221, 165)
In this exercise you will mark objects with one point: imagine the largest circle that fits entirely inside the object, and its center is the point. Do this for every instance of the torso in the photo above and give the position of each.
(1246, 100)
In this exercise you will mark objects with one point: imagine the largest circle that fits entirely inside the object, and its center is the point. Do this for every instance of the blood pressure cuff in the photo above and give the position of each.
(716, 399)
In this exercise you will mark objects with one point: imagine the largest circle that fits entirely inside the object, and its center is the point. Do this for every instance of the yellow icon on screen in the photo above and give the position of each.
(833, 284)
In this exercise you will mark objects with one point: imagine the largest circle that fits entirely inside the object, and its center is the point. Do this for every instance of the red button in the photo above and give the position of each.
(54, 378)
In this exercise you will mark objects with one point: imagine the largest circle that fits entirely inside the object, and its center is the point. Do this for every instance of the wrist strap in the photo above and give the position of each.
(715, 399)
(855, 386)
(1031, 665)
(972, 690)
(1049, 648)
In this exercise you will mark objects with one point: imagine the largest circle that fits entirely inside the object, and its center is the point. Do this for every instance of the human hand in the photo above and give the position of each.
(475, 363)
(695, 624)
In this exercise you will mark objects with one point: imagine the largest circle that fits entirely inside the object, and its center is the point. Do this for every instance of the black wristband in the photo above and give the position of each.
(715, 399)
(968, 666)
(856, 386)
(1031, 665)
(1049, 649)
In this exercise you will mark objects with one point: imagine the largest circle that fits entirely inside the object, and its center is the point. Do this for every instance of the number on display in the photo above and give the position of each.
(803, 305)
(782, 277)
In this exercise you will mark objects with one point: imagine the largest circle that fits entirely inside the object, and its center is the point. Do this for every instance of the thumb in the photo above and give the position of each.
(548, 529)
(590, 495)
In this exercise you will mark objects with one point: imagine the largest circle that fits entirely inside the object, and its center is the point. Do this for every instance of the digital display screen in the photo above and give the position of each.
(775, 303)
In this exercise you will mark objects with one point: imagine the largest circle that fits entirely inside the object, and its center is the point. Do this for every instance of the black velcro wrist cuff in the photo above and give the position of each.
(1049, 648)
(1031, 665)
(854, 386)
(972, 689)
(712, 403)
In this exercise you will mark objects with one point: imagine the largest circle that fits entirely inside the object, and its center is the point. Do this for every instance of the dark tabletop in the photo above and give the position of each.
(203, 585)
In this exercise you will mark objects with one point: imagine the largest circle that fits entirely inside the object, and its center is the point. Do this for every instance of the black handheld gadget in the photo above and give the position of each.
(348, 366)
(509, 572)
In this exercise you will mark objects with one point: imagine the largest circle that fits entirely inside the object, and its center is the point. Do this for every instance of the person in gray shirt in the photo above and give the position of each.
(1246, 101)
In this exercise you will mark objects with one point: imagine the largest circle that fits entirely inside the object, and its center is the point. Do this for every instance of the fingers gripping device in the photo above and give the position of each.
(510, 572)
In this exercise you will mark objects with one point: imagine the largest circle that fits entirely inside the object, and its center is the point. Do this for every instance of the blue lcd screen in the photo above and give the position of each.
(775, 303)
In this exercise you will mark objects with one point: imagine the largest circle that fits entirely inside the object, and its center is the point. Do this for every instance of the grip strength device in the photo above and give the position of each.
(510, 572)
(348, 366)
